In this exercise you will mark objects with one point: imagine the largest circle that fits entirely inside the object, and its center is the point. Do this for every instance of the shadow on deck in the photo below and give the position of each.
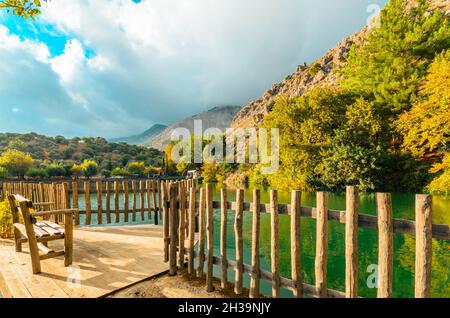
(105, 259)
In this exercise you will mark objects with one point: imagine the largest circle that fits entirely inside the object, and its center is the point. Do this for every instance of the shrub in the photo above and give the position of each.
(36, 173)
(6, 224)
(55, 170)
(314, 69)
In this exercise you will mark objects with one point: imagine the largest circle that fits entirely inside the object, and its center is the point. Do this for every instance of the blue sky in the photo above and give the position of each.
(115, 67)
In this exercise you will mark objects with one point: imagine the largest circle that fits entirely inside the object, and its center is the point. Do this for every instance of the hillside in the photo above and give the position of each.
(141, 138)
(308, 77)
(217, 117)
(58, 149)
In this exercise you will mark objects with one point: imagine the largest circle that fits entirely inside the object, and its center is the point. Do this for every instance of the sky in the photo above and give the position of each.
(115, 67)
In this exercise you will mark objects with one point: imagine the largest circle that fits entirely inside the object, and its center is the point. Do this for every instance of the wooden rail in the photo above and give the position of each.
(383, 222)
(106, 193)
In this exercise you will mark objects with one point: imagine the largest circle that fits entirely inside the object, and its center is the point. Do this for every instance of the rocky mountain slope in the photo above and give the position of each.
(320, 73)
(141, 138)
(218, 117)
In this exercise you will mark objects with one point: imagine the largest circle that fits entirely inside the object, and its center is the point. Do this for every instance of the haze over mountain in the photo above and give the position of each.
(141, 138)
(217, 117)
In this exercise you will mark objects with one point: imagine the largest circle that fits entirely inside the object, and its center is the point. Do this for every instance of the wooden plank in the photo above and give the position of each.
(108, 202)
(148, 196)
(116, 200)
(191, 270)
(165, 222)
(142, 199)
(274, 243)
(87, 201)
(126, 200)
(424, 251)
(321, 244)
(223, 237)
(201, 233)
(74, 201)
(296, 270)
(385, 245)
(134, 190)
(239, 241)
(182, 225)
(100, 202)
(256, 269)
(173, 229)
(351, 243)
(210, 238)
(155, 207)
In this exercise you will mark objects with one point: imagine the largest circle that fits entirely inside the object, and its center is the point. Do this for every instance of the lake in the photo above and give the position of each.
(404, 245)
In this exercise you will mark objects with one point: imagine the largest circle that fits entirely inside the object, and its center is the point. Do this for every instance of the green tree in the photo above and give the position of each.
(307, 126)
(3, 173)
(17, 144)
(22, 8)
(55, 170)
(426, 127)
(389, 64)
(36, 173)
(16, 162)
(119, 172)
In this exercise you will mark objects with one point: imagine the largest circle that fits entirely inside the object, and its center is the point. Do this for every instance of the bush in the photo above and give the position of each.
(55, 170)
(119, 172)
(36, 173)
(314, 69)
(6, 224)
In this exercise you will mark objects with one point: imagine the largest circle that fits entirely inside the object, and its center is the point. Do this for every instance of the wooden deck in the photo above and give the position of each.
(105, 259)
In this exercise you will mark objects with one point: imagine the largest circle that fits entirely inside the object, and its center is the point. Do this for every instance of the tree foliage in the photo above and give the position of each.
(16, 162)
(390, 63)
(22, 8)
(441, 184)
(426, 127)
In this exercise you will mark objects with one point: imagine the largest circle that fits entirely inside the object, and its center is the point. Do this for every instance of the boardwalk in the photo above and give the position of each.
(109, 258)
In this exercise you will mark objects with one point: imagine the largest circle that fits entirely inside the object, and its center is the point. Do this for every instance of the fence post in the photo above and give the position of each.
(201, 234)
(256, 270)
(99, 201)
(191, 230)
(182, 225)
(351, 243)
(423, 246)
(210, 236)
(142, 199)
(321, 244)
(108, 202)
(223, 236)
(87, 200)
(296, 271)
(116, 200)
(75, 200)
(126, 200)
(239, 241)
(274, 243)
(173, 230)
(133, 188)
(385, 245)
(163, 196)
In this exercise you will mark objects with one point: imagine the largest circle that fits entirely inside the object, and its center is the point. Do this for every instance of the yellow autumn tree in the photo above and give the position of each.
(16, 162)
(426, 127)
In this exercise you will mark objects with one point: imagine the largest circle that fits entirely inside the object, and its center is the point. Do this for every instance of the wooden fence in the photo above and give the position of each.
(143, 194)
(181, 210)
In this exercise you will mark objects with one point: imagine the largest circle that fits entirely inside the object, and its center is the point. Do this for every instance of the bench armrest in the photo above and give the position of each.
(55, 212)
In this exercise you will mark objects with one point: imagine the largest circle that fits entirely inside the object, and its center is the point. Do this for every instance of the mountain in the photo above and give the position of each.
(307, 77)
(141, 138)
(217, 117)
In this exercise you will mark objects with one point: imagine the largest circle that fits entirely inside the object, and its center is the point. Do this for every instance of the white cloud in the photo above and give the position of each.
(161, 60)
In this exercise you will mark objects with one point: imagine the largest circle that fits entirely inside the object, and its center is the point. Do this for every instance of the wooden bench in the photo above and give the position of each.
(39, 232)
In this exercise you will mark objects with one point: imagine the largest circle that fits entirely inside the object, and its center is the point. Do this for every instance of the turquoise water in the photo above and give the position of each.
(404, 245)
